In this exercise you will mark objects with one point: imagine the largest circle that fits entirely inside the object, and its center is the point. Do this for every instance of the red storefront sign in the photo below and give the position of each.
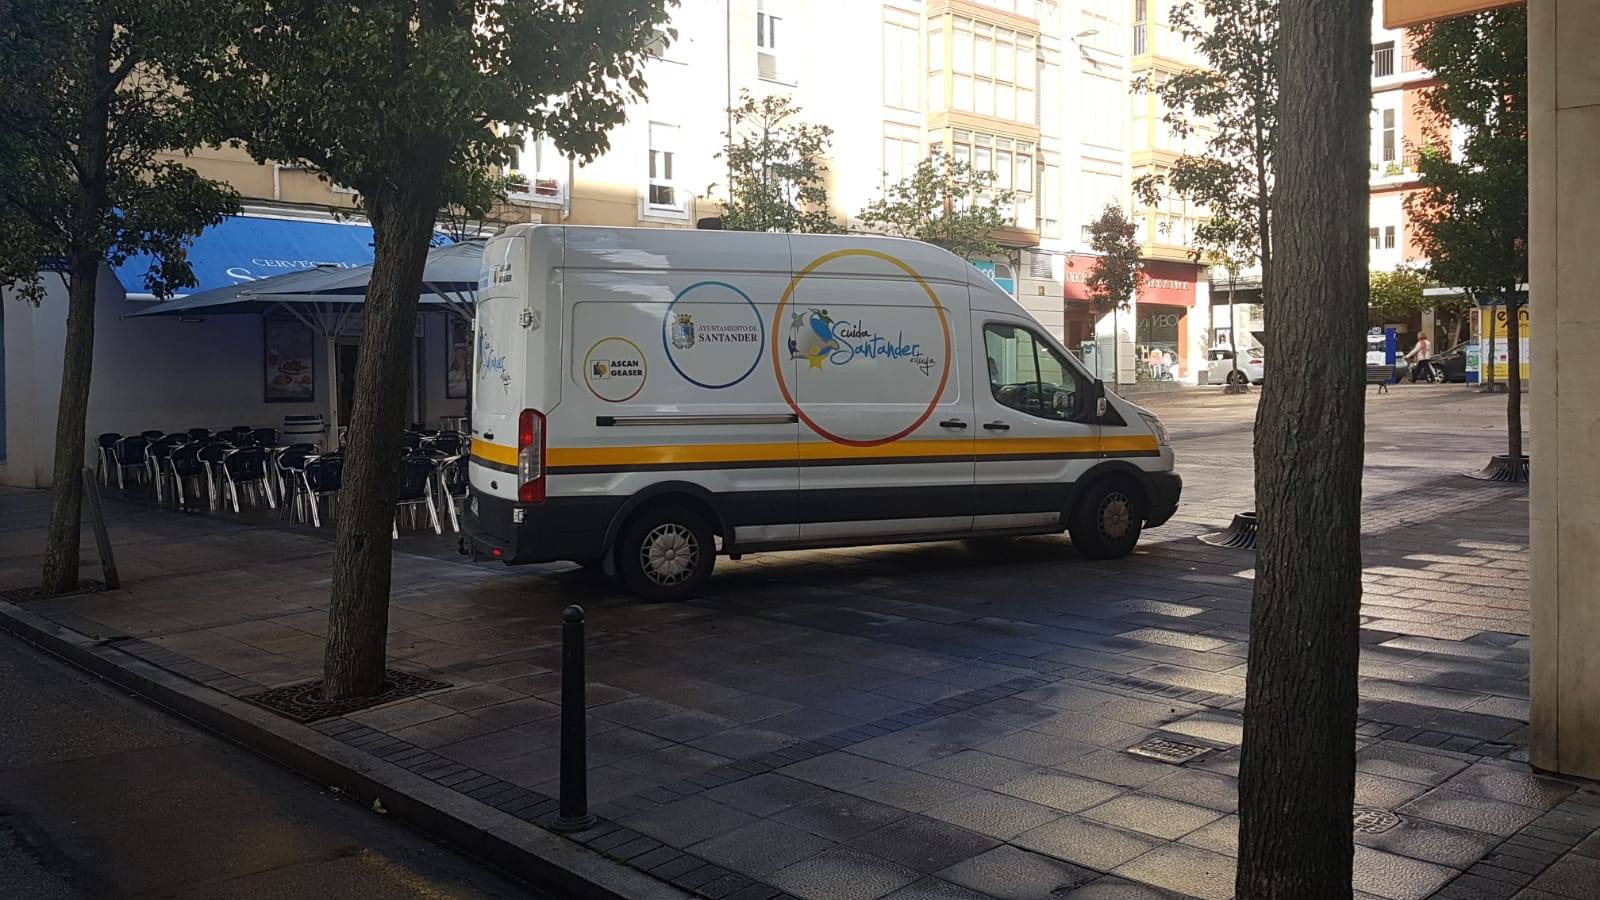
(1166, 283)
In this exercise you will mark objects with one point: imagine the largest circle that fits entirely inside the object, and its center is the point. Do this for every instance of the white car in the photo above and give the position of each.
(1221, 370)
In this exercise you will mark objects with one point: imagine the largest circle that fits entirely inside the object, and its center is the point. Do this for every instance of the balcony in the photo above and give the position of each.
(522, 189)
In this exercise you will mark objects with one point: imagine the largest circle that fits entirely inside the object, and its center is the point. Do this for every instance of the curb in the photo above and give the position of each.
(545, 860)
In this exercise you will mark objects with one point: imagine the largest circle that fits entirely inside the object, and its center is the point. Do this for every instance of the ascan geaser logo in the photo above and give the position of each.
(615, 369)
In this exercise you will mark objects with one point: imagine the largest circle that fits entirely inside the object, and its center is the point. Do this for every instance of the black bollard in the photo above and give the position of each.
(574, 812)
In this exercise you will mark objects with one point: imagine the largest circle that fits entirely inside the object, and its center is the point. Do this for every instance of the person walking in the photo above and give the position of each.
(1418, 357)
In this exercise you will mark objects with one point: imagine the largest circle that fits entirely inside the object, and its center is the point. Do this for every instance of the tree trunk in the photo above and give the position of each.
(60, 570)
(1513, 377)
(358, 614)
(1297, 772)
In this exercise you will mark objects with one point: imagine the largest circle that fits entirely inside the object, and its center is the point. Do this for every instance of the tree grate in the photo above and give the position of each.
(1169, 751)
(23, 595)
(303, 702)
(1371, 820)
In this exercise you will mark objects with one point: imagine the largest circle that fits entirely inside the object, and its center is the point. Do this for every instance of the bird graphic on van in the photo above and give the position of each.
(815, 337)
(491, 363)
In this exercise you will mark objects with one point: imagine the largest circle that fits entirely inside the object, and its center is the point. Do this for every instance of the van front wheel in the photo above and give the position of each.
(666, 553)
(1107, 520)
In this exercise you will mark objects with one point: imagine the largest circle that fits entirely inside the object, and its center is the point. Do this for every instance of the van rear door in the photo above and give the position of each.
(501, 365)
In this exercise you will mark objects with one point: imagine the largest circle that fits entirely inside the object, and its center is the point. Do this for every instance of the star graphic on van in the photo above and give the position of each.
(816, 361)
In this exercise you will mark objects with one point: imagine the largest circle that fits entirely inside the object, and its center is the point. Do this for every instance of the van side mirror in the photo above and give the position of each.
(1099, 399)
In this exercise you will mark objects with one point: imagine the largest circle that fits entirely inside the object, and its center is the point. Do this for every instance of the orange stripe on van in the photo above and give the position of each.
(506, 456)
(712, 454)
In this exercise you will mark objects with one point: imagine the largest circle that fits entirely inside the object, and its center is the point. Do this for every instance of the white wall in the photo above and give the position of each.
(157, 373)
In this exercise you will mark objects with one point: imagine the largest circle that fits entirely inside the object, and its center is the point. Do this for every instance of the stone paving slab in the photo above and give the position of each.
(934, 721)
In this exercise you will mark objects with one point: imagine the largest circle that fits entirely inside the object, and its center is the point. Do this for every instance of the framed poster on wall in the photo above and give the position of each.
(290, 365)
(458, 363)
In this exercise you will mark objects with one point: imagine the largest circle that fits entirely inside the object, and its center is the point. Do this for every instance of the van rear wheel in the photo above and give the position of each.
(1107, 520)
(666, 553)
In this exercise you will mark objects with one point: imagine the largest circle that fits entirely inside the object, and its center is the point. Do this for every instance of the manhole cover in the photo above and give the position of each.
(303, 702)
(1371, 820)
(1169, 751)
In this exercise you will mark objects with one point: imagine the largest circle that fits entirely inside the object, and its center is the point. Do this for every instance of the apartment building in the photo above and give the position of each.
(1400, 127)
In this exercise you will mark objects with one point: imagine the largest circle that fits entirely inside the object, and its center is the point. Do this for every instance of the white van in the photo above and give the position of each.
(645, 399)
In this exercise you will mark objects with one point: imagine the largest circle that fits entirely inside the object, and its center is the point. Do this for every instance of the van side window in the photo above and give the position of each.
(1027, 374)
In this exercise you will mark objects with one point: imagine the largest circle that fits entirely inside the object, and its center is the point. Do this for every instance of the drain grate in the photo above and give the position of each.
(1371, 820)
(1169, 751)
(303, 702)
(23, 595)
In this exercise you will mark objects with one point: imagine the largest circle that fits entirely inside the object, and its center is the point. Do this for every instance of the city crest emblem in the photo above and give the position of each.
(683, 331)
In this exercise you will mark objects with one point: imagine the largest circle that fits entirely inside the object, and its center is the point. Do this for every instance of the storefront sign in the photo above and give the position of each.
(1496, 315)
(1168, 283)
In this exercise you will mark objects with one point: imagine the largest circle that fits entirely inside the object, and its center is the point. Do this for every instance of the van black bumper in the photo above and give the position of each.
(560, 528)
(1162, 489)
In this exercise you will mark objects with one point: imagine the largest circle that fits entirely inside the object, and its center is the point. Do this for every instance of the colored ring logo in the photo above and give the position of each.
(705, 337)
(614, 369)
(780, 356)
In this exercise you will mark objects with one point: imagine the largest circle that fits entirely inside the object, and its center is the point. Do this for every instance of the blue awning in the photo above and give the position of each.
(241, 249)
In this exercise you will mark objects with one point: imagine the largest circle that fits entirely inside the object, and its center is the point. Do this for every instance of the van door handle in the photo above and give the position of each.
(952, 423)
(997, 426)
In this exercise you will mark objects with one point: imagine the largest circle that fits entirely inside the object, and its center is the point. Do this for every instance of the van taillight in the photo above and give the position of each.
(530, 457)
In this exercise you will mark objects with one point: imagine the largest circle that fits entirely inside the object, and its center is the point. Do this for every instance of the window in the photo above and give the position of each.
(1011, 161)
(1050, 196)
(536, 172)
(900, 72)
(1388, 237)
(995, 71)
(767, 26)
(1388, 136)
(1027, 375)
(1383, 59)
(1372, 238)
(1097, 191)
(663, 191)
(900, 157)
(1105, 99)
(1141, 17)
(772, 36)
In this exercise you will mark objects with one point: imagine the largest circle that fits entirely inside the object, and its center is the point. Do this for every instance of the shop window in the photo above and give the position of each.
(1156, 336)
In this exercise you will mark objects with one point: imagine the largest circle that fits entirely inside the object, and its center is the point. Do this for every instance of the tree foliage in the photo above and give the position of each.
(84, 124)
(1397, 294)
(1230, 105)
(397, 99)
(776, 169)
(946, 202)
(1117, 271)
(1471, 211)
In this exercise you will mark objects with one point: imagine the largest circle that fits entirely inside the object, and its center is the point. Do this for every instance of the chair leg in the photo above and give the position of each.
(394, 530)
(266, 487)
(433, 514)
(233, 492)
(455, 518)
(120, 485)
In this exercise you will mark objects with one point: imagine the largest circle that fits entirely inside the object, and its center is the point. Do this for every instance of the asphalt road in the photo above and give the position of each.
(103, 796)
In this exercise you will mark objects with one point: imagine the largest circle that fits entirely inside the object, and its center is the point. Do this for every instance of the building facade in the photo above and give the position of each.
(1035, 91)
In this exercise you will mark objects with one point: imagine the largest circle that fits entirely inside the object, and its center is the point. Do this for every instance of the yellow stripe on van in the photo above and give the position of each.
(1131, 443)
(506, 456)
(713, 454)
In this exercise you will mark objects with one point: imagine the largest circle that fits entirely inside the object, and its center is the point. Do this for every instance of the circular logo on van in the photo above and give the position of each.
(712, 334)
(888, 351)
(614, 369)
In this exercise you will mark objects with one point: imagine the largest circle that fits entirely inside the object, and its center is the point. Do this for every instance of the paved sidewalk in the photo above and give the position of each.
(946, 720)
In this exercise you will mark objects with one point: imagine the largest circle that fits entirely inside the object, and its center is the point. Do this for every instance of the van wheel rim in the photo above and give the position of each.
(669, 554)
(1116, 516)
